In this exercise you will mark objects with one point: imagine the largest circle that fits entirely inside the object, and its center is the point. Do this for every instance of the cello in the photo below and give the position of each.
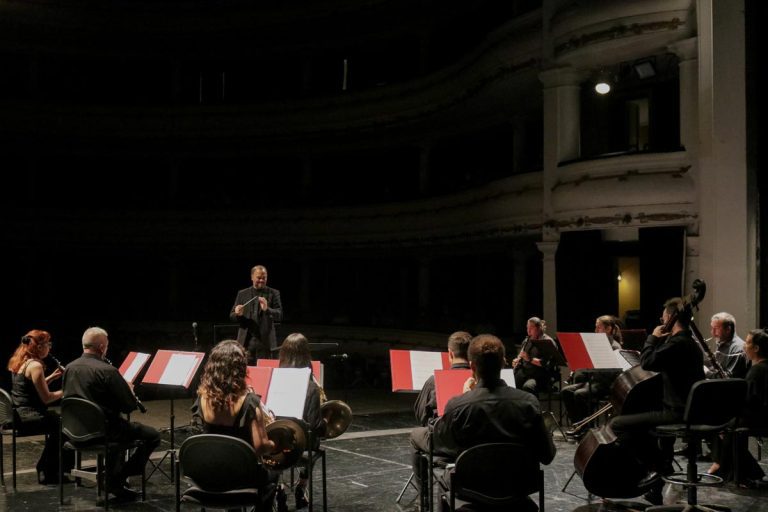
(607, 469)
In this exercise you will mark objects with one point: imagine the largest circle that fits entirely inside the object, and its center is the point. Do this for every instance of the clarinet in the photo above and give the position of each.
(57, 362)
(139, 405)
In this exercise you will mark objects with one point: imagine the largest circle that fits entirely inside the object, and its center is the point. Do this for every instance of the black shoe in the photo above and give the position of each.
(300, 493)
(654, 496)
(123, 494)
(281, 499)
(649, 479)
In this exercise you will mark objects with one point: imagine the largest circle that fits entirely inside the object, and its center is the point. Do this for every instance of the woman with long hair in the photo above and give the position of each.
(227, 406)
(294, 353)
(31, 397)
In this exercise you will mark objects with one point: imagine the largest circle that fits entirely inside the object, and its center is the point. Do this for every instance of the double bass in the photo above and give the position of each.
(608, 469)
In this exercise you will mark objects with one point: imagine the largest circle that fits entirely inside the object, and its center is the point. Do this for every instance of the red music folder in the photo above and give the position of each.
(412, 368)
(258, 378)
(588, 350)
(132, 365)
(173, 368)
(448, 384)
(317, 367)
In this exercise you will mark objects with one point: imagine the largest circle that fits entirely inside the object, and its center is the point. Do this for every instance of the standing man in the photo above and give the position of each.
(256, 310)
(729, 351)
(425, 407)
(491, 412)
(92, 378)
(531, 372)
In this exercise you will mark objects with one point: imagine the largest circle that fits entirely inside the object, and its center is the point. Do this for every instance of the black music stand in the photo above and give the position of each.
(173, 370)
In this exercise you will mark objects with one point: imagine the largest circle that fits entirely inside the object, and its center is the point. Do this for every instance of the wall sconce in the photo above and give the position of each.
(618, 278)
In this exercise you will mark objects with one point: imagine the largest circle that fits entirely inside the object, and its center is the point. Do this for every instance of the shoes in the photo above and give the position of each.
(649, 479)
(302, 500)
(123, 494)
(281, 499)
(654, 496)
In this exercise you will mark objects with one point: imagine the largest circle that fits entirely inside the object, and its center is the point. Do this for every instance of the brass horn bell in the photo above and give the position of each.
(337, 416)
(290, 443)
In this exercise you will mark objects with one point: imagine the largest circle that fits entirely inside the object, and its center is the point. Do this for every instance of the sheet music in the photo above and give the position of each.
(600, 350)
(508, 376)
(423, 365)
(135, 367)
(288, 391)
(179, 369)
(625, 364)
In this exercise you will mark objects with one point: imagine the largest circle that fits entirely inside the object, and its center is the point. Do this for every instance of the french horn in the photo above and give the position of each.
(290, 443)
(337, 416)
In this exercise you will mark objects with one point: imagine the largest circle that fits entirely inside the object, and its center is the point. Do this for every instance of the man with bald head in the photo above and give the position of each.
(92, 378)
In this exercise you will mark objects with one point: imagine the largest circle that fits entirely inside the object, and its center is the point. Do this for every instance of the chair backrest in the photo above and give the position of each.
(715, 402)
(219, 463)
(82, 420)
(6, 409)
(496, 473)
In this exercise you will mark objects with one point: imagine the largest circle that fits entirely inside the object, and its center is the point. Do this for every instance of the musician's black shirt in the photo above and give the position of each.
(493, 414)
(91, 378)
(680, 361)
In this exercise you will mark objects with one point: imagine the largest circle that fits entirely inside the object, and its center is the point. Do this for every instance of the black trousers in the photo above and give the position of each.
(117, 470)
(633, 431)
(46, 422)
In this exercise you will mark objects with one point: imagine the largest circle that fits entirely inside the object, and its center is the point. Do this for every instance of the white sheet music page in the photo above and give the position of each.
(600, 350)
(288, 391)
(179, 368)
(423, 365)
(508, 376)
(135, 366)
(623, 363)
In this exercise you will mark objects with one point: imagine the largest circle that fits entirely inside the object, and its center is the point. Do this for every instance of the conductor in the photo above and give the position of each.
(256, 310)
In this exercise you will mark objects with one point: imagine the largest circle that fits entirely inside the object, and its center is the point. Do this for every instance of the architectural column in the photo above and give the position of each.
(687, 52)
(727, 205)
(562, 130)
(549, 288)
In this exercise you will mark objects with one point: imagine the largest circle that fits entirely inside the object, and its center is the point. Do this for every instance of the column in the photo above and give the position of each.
(549, 288)
(727, 207)
(687, 52)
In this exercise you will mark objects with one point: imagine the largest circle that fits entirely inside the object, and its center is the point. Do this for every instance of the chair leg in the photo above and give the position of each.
(325, 489)
(13, 458)
(405, 487)
(2, 461)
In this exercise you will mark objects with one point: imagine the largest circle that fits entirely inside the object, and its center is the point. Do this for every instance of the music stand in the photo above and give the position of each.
(173, 369)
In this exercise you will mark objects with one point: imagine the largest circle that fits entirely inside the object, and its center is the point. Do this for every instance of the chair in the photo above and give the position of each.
(9, 425)
(85, 426)
(222, 470)
(710, 407)
(496, 474)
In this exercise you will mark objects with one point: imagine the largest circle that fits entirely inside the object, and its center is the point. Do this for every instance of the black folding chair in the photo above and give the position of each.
(84, 426)
(223, 471)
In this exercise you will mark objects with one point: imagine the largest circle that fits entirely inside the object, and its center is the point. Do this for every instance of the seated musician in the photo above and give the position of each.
(531, 368)
(671, 351)
(491, 412)
(93, 378)
(588, 389)
(227, 406)
(294, 353)
(425, 407)
(729, 347)
(755, 415)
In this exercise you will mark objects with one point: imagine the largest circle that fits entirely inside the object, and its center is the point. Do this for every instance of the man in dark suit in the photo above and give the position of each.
(256, 310)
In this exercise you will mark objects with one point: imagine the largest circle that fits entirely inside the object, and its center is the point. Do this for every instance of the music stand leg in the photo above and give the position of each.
(168, 453)
(405, 487)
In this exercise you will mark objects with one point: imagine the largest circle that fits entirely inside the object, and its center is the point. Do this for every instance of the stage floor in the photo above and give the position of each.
(367, 467)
